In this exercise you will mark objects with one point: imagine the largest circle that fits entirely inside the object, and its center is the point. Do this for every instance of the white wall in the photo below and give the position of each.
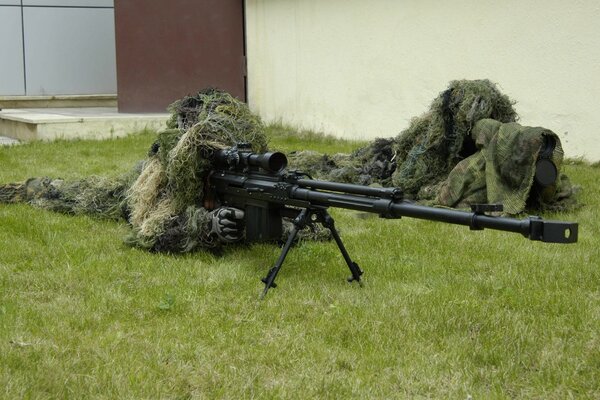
(362, 69)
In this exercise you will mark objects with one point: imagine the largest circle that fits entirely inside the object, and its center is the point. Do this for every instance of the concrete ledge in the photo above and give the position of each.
(6, 141)
(75, 123)
(63, 101)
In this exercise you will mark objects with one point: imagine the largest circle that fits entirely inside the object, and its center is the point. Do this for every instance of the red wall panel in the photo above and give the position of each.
(169, 48)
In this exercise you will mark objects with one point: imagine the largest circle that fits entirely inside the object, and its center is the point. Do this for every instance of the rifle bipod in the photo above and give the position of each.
(305, 217)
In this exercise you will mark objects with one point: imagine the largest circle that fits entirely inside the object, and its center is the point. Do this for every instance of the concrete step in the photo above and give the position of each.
(75, 123)
(59, 101)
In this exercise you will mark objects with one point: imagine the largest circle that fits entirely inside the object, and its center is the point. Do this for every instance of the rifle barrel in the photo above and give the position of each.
(350, 188)
(533, 228)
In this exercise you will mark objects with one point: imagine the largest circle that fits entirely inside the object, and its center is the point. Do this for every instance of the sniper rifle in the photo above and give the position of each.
(260, 185)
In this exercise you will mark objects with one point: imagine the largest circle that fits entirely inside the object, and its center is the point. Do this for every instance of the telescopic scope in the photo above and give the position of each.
(272, 161)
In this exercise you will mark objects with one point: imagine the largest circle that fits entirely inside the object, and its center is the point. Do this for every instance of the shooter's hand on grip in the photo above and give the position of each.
(228, 224)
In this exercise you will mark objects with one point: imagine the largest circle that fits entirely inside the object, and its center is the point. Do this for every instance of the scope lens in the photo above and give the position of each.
(277, 161)
(545, 172)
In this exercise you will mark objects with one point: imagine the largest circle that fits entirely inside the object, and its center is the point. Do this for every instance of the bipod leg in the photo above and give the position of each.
(355, 270)
(299, 223)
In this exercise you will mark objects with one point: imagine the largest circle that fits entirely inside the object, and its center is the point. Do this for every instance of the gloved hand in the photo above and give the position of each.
(228, 224)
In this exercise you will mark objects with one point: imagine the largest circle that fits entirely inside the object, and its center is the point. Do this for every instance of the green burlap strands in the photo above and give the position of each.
(100, 196)
(167, 213)
(447, 157)
(434, 142)
(373, 164)
(421, 156)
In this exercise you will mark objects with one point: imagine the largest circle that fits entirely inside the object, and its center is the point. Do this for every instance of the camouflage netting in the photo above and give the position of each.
(421, 158)
(371, 164)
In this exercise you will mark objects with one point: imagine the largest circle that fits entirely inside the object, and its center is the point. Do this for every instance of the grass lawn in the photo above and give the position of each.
(444, 312)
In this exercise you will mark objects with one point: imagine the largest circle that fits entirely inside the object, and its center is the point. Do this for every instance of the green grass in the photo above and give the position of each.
(444, 312)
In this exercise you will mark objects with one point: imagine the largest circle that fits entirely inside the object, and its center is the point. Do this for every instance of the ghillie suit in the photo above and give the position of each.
(99, 196)
(167, 212)
(163, 197)
(421, 158)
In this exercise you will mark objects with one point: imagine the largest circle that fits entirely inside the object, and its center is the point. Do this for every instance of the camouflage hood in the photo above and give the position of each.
(504, 170)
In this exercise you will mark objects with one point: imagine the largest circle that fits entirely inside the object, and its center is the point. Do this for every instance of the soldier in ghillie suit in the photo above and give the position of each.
(445, 158)
(466, 149)
(162, 198)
